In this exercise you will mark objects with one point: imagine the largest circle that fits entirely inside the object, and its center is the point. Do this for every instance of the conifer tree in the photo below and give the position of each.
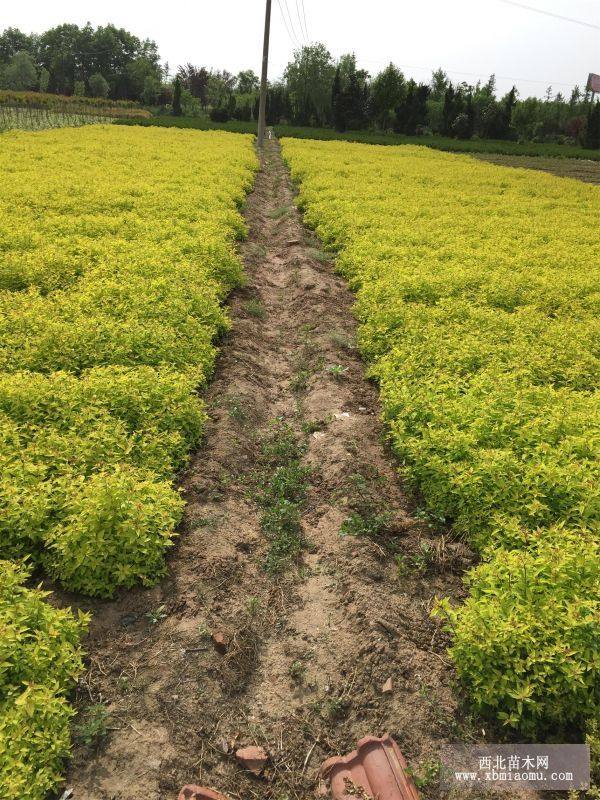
(177, 97)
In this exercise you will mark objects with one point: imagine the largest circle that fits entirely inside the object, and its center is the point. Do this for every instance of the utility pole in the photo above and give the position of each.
(262, 105)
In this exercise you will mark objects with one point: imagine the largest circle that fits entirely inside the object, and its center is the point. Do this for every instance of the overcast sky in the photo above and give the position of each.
(468, 38)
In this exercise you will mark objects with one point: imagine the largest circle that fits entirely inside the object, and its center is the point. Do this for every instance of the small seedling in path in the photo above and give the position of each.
(157, 615)
(282, 487)
(93, 725)
(342, 340)
(236, 409)
(425, 773)
(318, 255)
(370, 524)
(337, 371)
(253, 606)
(254, 308)
(280, 212)
(297, 671)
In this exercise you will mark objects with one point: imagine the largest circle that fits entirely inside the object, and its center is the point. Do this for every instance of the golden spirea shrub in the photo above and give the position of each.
(40, 660)
(119, 246)
(477, 296)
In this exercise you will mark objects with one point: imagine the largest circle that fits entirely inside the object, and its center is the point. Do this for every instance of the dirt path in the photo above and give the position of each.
(310, 642)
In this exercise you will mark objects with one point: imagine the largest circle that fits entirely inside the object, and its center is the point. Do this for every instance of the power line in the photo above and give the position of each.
(471, 74)
(305, 26)
(551, 14)
(302, 30)
(294, 43)
(292, 27)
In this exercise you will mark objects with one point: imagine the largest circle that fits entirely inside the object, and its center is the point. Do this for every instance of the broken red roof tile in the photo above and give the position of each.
(191, 792)
(253, 758)
(220, 641)
(376, 767)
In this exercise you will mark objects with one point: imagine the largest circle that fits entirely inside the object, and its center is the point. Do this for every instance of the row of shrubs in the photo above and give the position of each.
(48, 100)
(119, 248)
(478, 301)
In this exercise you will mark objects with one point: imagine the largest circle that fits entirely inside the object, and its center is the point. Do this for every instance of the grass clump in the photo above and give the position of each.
(254, 308)
(368, 516)
(282, 488)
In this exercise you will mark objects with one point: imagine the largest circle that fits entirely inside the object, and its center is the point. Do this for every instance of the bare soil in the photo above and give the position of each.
(307, 651)
(580, 168)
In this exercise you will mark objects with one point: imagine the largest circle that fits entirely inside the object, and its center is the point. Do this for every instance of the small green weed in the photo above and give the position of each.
(282, 484)
(157, 615)
(278, 213)
(297, 672)
(367, 517)
(253, 606)
(342, 340)
(337, 371)
(318, 255)
(94, 725)
(425, 773)
(254, 308)
(236, 408)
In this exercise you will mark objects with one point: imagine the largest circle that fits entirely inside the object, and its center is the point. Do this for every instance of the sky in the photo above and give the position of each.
(470, 39)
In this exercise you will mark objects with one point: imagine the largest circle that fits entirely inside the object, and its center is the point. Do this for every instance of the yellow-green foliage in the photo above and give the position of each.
(118, 246)
(478, 298)
(40, 660)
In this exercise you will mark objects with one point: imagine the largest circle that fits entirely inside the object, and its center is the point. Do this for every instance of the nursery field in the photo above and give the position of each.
(118, 248)
(477, 298)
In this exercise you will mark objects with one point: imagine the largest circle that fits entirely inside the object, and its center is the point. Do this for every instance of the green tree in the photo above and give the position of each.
(70, 54)
(439, 84)
(137, 72)
(44, 80)
(308, 79)
(13, 41)
(592, 139)
(220, 88)
(98, 85)
(387, 93)
(20, 73)
(195, 80)
(337, 103)
(151, 91)
(246, 82)
(79, 89)
(177, 110)
(508, 105)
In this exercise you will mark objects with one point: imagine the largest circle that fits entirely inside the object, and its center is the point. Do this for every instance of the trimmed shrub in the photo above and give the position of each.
(116, 529)
(40, 660)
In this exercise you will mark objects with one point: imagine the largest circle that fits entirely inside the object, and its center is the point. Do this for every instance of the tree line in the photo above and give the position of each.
(314, 90)
(103, 62)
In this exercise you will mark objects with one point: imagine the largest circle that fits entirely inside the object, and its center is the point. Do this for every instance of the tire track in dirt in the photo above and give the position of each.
(308, 651)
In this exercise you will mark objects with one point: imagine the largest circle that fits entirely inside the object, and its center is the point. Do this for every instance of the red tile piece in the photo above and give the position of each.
(253, 758)
(377, 767)
(220, 641)
(191, 792)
